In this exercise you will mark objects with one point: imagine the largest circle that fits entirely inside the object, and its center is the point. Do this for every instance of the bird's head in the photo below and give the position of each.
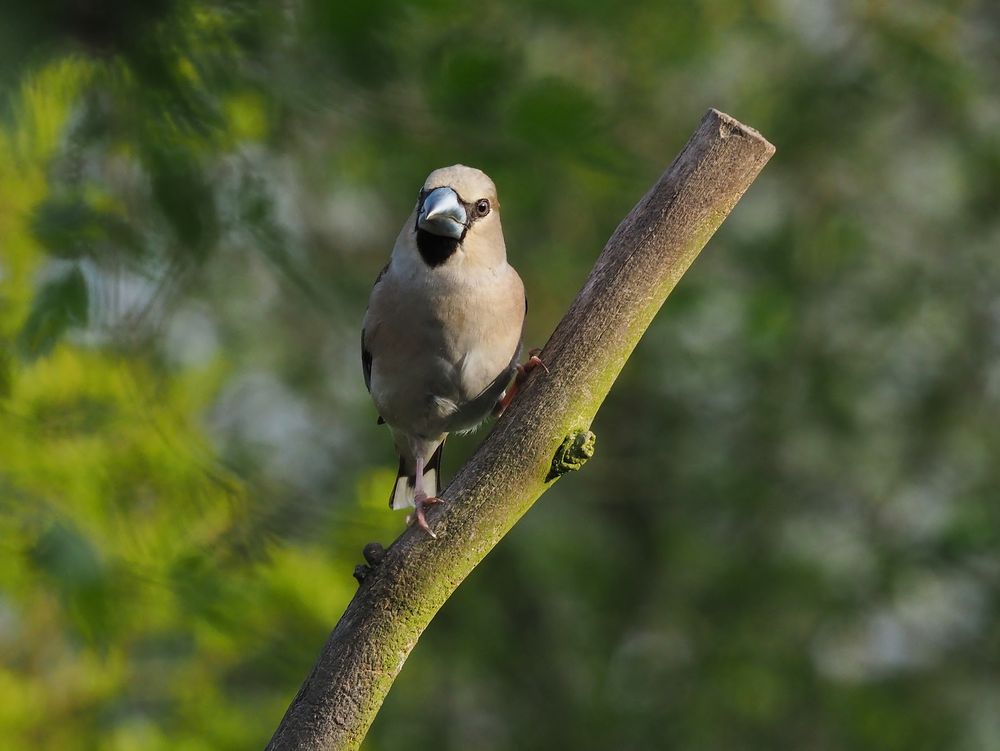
(457, 210)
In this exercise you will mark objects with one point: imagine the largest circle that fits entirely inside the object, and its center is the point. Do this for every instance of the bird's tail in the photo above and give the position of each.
(403, 490)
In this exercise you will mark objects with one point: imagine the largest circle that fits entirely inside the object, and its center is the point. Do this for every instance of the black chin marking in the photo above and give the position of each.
(435, 249)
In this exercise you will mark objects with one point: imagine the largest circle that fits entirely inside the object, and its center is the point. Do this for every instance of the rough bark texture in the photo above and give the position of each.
(543, 433)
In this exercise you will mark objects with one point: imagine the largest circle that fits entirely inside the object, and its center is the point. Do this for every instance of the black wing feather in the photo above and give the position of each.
(366, 363)
(366, 355)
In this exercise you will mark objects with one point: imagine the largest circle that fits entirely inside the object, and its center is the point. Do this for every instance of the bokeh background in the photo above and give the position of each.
(790, 534)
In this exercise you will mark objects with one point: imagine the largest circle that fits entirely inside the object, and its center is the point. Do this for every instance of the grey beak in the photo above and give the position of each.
(443, 214)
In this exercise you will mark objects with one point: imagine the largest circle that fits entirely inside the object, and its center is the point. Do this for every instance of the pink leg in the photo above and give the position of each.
(421, 500)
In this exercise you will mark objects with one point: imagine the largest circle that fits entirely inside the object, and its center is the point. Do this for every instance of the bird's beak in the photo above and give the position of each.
(443, 214)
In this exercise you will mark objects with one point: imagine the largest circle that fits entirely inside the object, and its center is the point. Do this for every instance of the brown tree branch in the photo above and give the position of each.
(542, 434)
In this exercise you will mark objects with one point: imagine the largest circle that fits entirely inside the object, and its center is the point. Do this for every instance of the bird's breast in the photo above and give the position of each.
(441, 344)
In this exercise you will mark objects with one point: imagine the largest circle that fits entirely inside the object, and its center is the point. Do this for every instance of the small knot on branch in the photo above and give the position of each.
(361, 571)
(373, 553)
(573, 453)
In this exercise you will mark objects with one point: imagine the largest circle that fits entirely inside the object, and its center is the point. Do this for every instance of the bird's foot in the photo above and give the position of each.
(420, 501)
(523, 371)
(534, 361)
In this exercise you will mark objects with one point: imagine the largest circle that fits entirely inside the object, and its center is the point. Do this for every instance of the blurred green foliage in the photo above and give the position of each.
(789, 535)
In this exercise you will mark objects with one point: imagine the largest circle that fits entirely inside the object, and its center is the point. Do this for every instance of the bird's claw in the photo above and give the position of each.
(534, 361)
(417, 517)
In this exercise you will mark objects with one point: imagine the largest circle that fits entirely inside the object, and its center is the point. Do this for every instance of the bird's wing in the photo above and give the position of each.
(366, 355)
(524, 321)
(366, 362)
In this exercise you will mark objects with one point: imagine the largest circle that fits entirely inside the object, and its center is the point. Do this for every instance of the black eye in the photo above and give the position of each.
(482, 207)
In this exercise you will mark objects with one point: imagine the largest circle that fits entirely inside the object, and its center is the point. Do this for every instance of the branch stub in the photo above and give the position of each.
(572, 454)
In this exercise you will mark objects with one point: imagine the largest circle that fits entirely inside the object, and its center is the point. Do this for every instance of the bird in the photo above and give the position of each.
(441, 337)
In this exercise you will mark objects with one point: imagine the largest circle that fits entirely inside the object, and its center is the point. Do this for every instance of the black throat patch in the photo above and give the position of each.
(435, 249)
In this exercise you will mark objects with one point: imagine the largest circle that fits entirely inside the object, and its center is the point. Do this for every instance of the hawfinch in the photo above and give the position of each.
(442, 333)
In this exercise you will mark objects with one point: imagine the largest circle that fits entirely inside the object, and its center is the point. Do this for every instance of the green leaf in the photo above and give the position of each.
(70, 228)
(59, 305)
(185, 198)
